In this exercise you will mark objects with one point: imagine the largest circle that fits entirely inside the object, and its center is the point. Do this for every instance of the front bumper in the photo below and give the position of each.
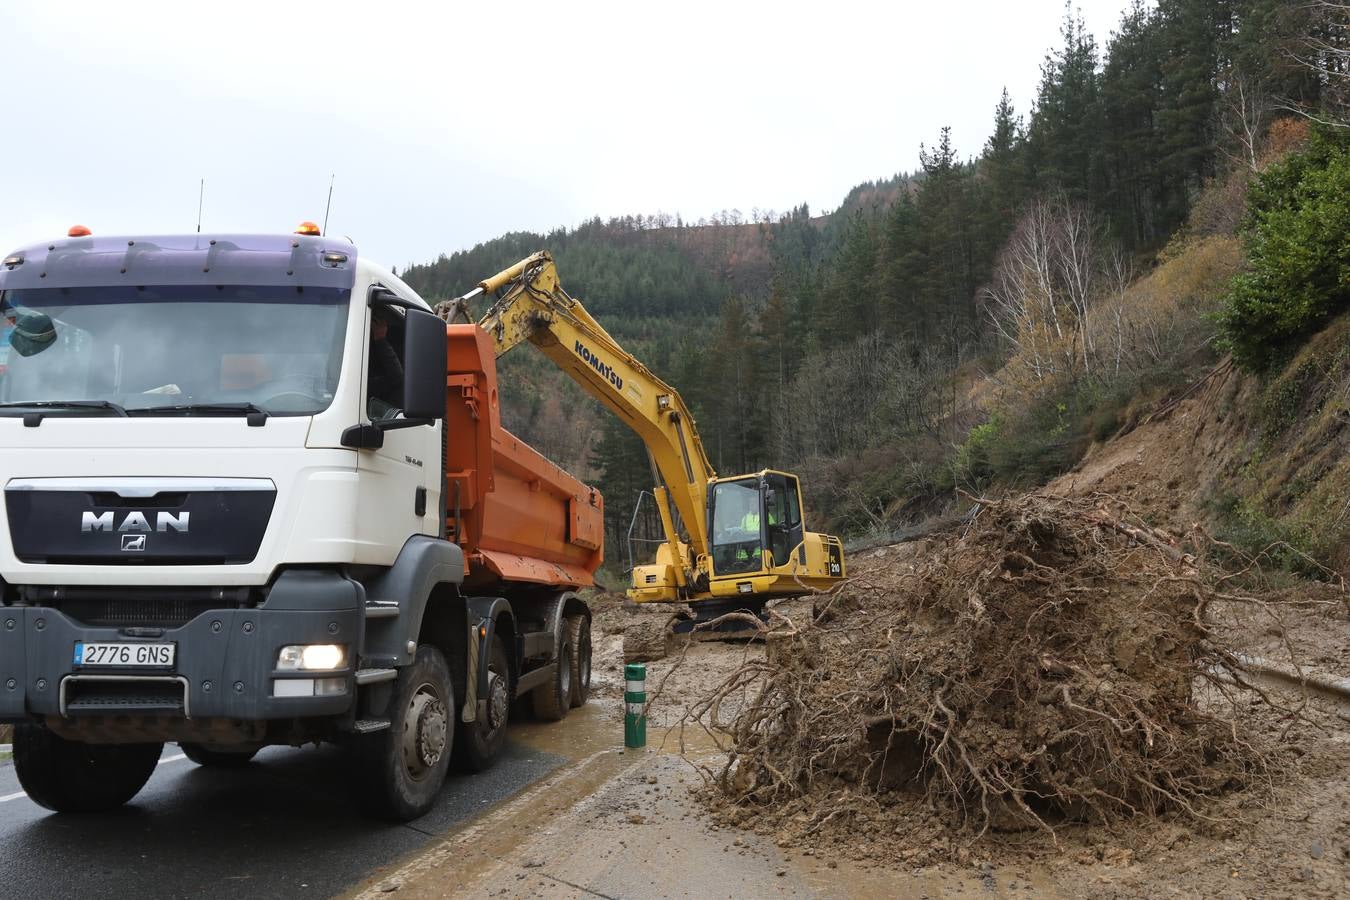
(224, 665)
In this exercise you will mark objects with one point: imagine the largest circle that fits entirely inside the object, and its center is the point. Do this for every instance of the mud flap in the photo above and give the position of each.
(476, 664)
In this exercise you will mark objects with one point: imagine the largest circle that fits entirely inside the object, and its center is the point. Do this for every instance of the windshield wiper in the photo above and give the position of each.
(64, 404)
(256, 414)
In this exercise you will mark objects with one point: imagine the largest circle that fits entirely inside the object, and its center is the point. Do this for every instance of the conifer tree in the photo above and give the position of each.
(902, 273)
(738, 413)
(1065, 129)
(1192, 35)
(1000, 164)
(1131, 148)
(949, 271)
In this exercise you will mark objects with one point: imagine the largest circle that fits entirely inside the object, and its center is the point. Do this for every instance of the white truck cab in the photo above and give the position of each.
(223, 517)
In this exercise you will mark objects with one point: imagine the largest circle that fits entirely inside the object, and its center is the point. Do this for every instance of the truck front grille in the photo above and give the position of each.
(170, 612)
(138, 607)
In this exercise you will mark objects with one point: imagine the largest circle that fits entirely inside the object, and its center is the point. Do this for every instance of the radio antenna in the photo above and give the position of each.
(331, 178)
(201, 193)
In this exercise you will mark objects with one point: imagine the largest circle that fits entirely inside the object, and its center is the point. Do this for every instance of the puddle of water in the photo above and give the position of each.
(599, 726)
(586, 730)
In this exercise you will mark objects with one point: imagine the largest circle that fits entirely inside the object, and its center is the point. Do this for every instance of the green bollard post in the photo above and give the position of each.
(635, 702)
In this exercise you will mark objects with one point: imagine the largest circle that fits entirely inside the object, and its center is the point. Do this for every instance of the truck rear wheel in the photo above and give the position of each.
(579, 630)
(478, 743)
(69, 776)
(553, 698)
(402, 768)
(218, 759)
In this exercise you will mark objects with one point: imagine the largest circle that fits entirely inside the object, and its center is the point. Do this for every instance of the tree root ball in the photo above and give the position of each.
(1035, 667)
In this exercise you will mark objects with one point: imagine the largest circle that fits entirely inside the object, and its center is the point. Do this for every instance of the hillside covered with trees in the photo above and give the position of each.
(1175, 196)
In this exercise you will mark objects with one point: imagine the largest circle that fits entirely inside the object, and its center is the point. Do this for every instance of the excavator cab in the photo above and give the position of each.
(755, 523)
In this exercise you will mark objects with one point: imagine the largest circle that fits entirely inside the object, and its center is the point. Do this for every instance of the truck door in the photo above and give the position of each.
(394, 478)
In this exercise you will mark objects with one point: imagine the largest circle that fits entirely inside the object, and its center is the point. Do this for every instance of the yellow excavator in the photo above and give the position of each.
(731, 542)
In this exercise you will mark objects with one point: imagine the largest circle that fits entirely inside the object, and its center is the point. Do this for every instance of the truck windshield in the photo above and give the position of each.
(736, 527)
(173, 350)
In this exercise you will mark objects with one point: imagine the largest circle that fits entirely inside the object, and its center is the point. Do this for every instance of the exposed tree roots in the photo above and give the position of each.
(1038, 666)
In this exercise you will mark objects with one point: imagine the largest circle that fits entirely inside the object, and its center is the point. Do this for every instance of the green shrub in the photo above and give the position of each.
(970, 467)
(1295, 233)
(1040, 443)
(1030, 444)
(1274, 543)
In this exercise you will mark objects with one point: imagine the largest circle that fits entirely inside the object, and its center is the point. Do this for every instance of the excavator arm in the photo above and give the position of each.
(533, 307)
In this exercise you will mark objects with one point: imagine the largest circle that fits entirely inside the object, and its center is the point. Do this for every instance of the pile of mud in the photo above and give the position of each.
(1038, 666)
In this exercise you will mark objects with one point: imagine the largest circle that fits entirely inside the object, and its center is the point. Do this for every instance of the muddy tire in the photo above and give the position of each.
(645, 640)
(400, 771)
(69, 776)
(579, 630)
(218, 759)
(477, 744)
(553, 699)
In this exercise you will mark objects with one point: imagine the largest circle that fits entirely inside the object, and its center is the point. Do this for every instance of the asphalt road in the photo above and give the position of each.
(281, 827)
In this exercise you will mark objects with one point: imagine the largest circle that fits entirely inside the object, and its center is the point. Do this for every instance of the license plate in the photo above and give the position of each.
(119, 654)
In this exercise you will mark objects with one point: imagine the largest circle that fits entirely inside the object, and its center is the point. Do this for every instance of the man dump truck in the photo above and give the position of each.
(731, 543)
(256, 493)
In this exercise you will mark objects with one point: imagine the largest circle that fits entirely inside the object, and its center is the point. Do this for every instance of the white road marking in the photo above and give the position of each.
(168, 759)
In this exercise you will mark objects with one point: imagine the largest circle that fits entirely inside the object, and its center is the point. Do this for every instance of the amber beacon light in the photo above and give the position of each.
(308, 228)
(79, 231)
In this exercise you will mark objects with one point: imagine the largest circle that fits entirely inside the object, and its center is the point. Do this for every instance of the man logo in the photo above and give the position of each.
(133, 543)
(134, 521)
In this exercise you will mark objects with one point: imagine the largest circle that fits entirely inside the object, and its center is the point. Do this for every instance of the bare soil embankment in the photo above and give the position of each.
(1268, 456)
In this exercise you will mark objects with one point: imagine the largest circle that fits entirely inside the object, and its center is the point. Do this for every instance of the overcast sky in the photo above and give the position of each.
(449, 123)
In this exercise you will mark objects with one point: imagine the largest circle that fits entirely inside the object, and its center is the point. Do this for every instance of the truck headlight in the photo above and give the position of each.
(311, 657)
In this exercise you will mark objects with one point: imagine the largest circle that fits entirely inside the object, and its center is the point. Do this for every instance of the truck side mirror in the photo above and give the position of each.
(424, 359)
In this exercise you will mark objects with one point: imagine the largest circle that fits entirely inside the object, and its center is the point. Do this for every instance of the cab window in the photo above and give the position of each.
(384, 364)
(736, 527)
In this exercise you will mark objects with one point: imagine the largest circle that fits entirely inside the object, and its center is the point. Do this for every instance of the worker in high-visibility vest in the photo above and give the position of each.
(750, 524)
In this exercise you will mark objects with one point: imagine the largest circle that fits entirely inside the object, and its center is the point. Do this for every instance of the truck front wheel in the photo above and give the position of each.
(402, 768)
(478, 743)
(70, 776)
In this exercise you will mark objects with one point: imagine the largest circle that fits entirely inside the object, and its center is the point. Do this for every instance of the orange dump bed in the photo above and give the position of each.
(519, 518)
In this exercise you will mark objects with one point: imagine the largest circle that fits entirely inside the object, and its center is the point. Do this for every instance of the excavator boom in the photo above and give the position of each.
(535, 308)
